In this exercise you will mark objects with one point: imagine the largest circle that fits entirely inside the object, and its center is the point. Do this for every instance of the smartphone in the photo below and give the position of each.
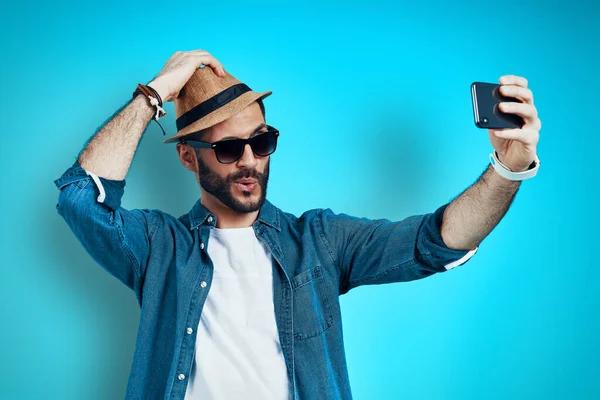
(486, 97)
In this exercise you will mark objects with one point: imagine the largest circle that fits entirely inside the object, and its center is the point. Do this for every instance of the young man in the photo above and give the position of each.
(239, 299)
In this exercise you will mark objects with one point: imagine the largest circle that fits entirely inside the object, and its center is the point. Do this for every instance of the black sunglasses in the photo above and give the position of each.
(229, 151)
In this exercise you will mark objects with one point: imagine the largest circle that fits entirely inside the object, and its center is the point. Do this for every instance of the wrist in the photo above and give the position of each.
(511, 168)
(511, 175)
(141, 103)
(162, 90)
(154, 99)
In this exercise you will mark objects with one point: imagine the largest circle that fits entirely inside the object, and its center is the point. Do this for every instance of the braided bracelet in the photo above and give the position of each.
(155, 101)
(154, 98)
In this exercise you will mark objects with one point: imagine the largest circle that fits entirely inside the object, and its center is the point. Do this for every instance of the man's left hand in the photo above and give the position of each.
(517, 147)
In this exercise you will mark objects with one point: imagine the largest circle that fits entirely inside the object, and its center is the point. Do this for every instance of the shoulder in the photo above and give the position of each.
(159, 221)
(317, 217)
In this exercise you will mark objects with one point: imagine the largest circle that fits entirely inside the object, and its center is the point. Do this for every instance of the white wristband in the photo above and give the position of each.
(504, 172)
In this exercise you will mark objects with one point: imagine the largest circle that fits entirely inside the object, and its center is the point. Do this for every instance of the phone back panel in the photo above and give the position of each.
(486, 97)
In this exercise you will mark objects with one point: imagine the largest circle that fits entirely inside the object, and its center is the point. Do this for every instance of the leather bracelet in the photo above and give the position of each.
(155, 101)
(154, 98)
(156, 95)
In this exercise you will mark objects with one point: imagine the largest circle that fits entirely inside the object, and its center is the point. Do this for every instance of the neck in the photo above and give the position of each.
(226, 217)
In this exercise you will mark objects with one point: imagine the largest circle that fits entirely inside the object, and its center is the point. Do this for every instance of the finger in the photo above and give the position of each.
(513, 80)
(174, 55)
(212, 62)
(197, 52)
(184, 57)
(177, 58)
(527, 111)
(182, 52)
(526, 136)
(209, 59)
(521, 93)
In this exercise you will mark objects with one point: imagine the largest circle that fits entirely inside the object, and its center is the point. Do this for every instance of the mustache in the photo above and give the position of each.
(248, 173)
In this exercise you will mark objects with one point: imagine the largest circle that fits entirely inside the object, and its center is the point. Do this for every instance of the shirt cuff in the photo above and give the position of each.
(440, 256)
(109, 191)
(462, 260)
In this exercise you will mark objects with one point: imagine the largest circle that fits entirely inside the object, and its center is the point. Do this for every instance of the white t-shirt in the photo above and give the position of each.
(238, 354)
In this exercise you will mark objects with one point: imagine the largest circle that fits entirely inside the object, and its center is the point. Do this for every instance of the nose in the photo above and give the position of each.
(248, 160)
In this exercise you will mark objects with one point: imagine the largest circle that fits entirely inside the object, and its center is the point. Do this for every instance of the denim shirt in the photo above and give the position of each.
(317, 257)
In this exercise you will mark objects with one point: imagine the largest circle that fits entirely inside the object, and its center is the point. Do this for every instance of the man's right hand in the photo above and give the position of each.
(178, 70)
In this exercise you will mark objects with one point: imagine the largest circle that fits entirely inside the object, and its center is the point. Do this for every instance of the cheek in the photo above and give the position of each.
(213, 165)
(223, 170)
(207, 157)
(262, 164)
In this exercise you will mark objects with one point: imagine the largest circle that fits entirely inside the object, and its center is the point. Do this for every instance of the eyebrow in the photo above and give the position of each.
(256, 131)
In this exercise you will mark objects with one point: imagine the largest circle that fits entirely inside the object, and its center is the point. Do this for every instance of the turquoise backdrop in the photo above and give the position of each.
(374, 107)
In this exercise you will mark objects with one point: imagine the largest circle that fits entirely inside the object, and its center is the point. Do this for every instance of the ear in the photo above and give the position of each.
(187, 156)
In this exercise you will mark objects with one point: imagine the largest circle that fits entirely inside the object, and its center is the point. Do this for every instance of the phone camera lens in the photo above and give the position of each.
(484, 120)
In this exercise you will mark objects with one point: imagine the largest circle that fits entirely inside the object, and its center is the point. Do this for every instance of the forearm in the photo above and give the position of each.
(472, 215)
(110, 152)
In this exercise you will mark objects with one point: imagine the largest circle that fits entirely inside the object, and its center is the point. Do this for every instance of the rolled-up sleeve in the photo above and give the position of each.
(117, 239)
(433, 246)
(371, 252)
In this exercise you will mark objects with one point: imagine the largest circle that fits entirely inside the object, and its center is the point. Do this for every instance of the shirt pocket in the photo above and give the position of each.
(312, 310)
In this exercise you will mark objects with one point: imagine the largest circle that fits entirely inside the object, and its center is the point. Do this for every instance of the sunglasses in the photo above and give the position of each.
(229, 151)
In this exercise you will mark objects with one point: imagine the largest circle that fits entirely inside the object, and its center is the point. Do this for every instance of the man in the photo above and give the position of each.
(239, 299)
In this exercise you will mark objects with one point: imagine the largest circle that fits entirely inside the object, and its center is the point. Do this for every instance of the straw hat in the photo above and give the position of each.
(207, 99)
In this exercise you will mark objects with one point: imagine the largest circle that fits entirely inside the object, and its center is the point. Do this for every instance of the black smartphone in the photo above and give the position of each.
(486, 97)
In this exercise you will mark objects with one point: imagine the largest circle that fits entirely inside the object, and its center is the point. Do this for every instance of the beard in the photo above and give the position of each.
(221, 188)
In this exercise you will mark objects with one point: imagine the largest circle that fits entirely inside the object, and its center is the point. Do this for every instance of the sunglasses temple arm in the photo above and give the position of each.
(198, 145)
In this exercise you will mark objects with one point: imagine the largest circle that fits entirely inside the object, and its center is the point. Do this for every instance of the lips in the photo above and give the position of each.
(246, 184)
(246, 181)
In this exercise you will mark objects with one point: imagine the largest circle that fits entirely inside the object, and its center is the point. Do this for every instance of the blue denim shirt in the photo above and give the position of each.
(317, 257)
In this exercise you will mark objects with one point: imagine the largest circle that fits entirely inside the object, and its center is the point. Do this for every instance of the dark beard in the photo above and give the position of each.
(221, 187)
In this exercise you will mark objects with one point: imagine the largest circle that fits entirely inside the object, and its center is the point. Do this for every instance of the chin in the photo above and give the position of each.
(248, 198)
(247, 201)
(242, 196)
(247, 206)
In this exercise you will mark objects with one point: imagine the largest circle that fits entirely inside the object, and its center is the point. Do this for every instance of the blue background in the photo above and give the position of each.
(374, 107)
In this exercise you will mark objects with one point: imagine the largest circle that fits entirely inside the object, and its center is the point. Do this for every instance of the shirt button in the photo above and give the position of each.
(203, 284)
(210, 220)
(201, 246)
(181, 377)
(189, 331)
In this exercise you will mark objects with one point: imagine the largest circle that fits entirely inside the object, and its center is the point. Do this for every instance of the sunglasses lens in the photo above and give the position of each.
(229, 151)
(264, 144)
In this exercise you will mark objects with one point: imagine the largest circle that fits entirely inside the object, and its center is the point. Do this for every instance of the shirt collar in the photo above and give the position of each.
(199, 215)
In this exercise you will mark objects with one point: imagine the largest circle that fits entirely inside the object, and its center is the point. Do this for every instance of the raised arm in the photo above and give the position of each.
(473, 215)
(374, 252)
(91, 190)
(110, 151)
